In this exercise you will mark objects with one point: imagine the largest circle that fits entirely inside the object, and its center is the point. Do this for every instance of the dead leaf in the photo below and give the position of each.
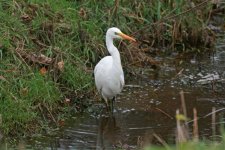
(61, 122)
(24, 91)
(43, 71)
(2, 78)
(26, 17)
(67, 100)
(83, 13)
(61, 65)
(44, 59)
(41, 59)
(181, 117)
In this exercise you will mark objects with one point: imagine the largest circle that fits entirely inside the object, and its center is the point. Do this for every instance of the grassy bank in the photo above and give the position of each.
(42, 64)
(48, 49)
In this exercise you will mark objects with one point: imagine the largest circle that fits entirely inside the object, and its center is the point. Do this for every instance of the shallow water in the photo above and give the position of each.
(147, 106)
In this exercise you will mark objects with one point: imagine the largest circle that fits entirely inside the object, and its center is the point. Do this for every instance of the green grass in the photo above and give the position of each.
(25, 94)
(20, 98)
(73, 32)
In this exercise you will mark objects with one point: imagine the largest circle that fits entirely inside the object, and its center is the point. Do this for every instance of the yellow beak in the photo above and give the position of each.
(124, 36)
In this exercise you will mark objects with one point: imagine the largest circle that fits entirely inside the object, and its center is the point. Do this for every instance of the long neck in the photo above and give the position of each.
(113, 50)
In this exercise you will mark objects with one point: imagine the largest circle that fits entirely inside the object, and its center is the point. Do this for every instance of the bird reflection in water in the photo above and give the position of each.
(108, 133)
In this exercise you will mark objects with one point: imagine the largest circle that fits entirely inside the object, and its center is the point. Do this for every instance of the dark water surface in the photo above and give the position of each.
(147, 106)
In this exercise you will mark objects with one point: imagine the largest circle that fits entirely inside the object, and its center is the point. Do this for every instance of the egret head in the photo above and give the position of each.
(115, 33)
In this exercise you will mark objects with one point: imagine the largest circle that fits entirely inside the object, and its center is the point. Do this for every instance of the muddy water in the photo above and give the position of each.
(147, 106)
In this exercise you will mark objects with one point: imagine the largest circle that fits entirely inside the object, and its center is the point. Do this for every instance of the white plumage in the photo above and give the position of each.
(109, 77)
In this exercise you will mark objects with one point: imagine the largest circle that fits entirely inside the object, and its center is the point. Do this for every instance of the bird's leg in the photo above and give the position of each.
(112, 103)
(106, 103)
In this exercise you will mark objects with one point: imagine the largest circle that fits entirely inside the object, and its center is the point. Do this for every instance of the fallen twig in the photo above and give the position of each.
(195, 126)
(164, 113)
(161, 141)
(206, 115)
(213, 123)
(50, 114)
(183, 104)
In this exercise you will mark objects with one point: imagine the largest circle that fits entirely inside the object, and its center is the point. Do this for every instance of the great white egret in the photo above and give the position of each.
(109, 77)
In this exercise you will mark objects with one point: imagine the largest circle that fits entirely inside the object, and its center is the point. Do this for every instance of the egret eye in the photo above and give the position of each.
(116, 33)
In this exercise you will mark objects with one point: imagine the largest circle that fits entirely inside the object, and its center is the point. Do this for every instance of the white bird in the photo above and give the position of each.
(109, 77)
